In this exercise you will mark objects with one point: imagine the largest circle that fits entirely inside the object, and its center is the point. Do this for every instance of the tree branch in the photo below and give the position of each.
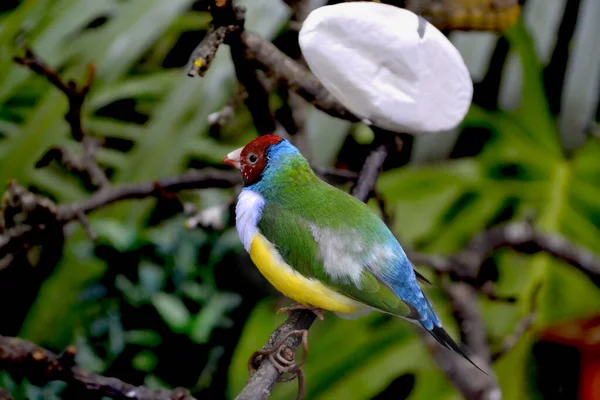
(40, 212)
(205, 52)
(470, 383)
(40, 366)
(85, 164)
(369, 173)
(228, 25)
(219, 118)
(75, 96)
(519, 236)
(262, 381)
(521, 328)
(290, 73)
(193, 179)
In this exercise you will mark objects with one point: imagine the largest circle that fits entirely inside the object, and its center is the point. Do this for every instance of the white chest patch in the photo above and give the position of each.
(247, 214)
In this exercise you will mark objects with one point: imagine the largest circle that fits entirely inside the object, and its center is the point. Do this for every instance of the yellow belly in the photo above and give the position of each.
(292, 284)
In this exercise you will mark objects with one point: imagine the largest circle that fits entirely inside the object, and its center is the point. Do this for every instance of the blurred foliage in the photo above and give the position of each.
(157, 304)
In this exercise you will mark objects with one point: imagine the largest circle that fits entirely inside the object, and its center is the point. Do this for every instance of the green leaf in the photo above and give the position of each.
(152, 277)
(143, 337)
(513, 370)
(147, 86)
(212, 314)
(120, 236)
(144, 361)
(534, 113)
(172, 310)
(567, 294)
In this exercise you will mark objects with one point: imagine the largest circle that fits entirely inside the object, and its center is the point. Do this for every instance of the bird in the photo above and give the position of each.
(320, 246)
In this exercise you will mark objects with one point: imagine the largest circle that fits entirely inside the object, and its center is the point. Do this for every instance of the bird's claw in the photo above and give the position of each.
(282, 357)
(318, 312)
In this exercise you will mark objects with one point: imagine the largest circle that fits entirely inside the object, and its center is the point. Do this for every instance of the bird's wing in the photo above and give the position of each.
(356, 256)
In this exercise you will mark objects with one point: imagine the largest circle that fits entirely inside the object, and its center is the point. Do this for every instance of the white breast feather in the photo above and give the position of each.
(247, 214)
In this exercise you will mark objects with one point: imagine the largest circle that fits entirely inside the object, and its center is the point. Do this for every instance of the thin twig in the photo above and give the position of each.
(41, 366)
(246, 72)
(293, 113)
(205, 52)
(512, 340)
(521, 328)
(88, 159)
(86, 164)
(373, 164)
(193, 179)
(292, 116)
(385, 214)
(228, 23)
(297, 78)
(470, 383)
(75, 96)
(219, 118)
(41, 211)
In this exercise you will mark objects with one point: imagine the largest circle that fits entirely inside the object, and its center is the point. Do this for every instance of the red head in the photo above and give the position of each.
(251, 160)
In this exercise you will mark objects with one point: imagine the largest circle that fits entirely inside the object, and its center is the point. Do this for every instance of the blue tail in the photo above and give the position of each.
(441, 335)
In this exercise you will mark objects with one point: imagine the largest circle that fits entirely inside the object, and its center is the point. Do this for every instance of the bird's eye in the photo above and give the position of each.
(252, 158)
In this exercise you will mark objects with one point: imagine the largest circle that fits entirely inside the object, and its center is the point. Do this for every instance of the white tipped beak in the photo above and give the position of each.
(233, 158)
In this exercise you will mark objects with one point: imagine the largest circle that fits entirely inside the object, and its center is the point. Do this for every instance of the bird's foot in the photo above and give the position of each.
(281, 356)
(318, 312)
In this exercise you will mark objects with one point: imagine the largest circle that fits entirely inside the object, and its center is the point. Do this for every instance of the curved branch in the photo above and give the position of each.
(292, 74)
(520, 236)
(41, 366)
(193, 179)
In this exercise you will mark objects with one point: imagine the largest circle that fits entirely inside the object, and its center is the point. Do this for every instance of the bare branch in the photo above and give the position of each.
(193, 179)
(39, 212)
(219, 118)
(471, 383)
(374, 162)
(40, 366)
(521, 328)
(75, 96)
(205, 52)
(292, 116)
(228, 23)
(261, 383)
(290, 73)
(88, 160)
(86, 164)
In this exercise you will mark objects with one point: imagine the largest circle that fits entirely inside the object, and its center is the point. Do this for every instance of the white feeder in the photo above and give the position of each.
(388, 66)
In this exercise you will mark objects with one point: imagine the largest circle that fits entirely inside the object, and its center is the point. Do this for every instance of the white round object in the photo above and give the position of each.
(388, 66)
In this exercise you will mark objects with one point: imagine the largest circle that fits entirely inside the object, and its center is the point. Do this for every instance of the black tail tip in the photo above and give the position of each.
(445, 340)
